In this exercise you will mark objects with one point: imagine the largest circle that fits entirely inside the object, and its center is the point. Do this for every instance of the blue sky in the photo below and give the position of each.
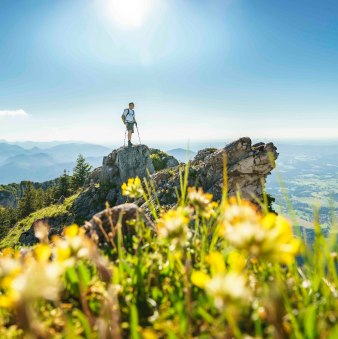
(196, 69)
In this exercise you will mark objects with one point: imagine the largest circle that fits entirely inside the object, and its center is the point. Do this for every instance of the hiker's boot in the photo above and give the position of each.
(129, 143)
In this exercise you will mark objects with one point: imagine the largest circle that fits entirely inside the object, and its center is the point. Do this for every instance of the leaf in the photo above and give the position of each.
(310, 321)
(84, 322)
(134, 322)
(84, 275)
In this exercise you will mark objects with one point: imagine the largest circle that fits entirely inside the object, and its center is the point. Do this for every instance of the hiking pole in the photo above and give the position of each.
(125, 137)
(138, 133)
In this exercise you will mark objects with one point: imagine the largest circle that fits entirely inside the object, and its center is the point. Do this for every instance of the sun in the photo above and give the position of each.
(130, 13)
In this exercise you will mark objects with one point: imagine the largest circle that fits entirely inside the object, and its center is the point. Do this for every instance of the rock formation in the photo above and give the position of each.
(104, 184)
(124, 163)
(247, 168)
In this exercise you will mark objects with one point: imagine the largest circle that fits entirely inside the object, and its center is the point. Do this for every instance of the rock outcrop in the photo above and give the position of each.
(247, 167)
(104, 184)
(126, 162)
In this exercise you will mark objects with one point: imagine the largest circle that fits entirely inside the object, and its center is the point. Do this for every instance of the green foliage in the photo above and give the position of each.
(64, 188)
(30, 201)
(59, 211)
(11, 188)
(159, 159)
(8, 218)
(80, 172)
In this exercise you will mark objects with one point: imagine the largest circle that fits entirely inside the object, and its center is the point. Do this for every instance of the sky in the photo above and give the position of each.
(196, 69)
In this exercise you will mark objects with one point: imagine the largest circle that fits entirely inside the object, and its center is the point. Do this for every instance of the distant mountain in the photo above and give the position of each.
(39, 144)
(18, 163)
(69, 152)
(7, 150)
(181, 154)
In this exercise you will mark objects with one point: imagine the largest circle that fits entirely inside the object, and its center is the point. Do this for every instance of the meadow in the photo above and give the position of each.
(206, 269)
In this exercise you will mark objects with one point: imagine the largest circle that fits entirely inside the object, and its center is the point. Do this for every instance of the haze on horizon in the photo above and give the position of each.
(196, 70)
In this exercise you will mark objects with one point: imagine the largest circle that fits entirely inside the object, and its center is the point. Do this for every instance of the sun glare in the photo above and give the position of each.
(130, 13)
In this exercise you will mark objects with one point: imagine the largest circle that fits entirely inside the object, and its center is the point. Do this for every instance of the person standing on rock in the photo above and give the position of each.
(128, 118)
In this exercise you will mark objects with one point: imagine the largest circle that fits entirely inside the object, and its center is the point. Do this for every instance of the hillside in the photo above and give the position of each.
(247, 166)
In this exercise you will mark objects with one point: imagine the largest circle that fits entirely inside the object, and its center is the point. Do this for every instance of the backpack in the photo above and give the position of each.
(124, 117)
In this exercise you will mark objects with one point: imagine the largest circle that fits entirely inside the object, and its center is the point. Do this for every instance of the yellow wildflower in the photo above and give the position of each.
(199, 279)
(268, 237)
(216, 262)
(71, 231)
(173, 225)
(201, 201)
(227, 288)
(236, 261)
(42, 252)
(133, 188)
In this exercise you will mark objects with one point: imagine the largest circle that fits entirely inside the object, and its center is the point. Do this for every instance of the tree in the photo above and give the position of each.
(81, 172)
(8, 218)
(50, 196)
(29, 201)
(64, 187)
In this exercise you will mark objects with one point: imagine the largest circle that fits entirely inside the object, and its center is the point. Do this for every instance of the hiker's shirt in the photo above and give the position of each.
(129, 115)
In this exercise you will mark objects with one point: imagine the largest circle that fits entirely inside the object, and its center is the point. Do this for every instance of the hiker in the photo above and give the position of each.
(128, 118)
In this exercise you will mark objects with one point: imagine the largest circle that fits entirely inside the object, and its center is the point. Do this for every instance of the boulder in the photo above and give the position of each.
(104, 223)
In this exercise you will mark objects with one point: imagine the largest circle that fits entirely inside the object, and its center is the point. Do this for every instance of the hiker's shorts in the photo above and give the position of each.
(130, 126)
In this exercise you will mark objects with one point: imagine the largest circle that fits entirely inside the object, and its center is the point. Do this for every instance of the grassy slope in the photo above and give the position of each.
(12, 238)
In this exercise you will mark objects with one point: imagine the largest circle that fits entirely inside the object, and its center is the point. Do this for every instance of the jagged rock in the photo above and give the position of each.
(109, 218)
(120, 165)
(202, 154)
(94, 176)
(247, 168)
(125, 163)
(91, 201)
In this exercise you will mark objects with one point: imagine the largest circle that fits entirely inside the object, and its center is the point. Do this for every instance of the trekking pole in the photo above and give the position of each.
(138, 133)
(125, 137)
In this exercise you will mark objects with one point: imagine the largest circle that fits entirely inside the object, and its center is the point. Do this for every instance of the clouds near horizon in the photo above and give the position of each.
(13, 113)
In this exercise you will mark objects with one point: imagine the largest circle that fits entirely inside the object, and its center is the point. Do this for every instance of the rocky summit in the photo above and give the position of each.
(247, 168)
(124, 163)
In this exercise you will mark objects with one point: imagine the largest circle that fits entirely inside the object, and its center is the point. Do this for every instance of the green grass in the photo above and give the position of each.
(12, 238)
